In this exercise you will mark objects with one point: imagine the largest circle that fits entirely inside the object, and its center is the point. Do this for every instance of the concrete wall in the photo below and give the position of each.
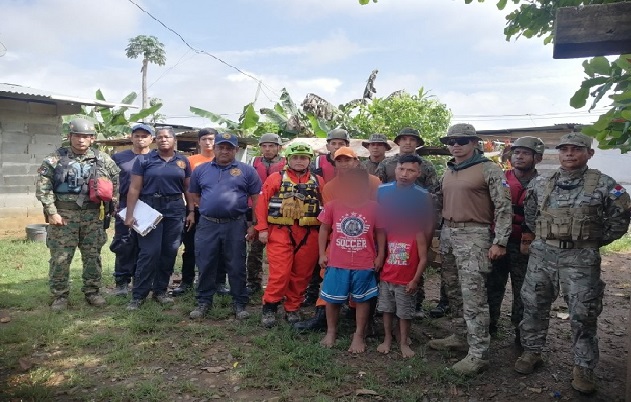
(28, 132)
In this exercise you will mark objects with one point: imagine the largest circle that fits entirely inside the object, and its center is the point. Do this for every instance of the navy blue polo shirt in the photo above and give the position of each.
(161, 177)
(224, 190)
(125, 162)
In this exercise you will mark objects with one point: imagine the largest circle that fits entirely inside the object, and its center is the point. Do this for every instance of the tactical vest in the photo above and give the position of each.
(323, 164)
(71, 176)
(517, 195)
(263, 170)
(308, 192)
(576, 223)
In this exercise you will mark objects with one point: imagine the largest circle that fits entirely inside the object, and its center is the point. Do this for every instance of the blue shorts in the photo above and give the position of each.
(340, 283)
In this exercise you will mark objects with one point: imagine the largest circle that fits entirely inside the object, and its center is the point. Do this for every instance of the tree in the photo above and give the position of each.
(152, 51)
(535, 18)
(112, 122)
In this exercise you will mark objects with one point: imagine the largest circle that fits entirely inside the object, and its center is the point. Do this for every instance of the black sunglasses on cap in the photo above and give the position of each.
(460, 141)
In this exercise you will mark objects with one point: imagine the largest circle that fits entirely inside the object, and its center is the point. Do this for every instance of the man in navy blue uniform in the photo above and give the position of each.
(221, 188)
(124, 243)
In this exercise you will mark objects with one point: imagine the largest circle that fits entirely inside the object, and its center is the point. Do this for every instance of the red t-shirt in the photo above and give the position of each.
(352, 240)
(401, 259)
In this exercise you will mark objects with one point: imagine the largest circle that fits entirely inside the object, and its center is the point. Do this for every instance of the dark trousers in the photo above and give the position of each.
(188, 257)
(515, 264)
(226, 242)
(158, 249)
(255, 263)
(125, 261)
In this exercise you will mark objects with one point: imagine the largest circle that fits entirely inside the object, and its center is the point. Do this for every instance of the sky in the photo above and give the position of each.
(455, 51)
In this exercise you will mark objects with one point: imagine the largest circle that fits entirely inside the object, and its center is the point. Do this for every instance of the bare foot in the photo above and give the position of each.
(329, 340)
(385, 346)
(408, 341)
(358, 345)
(406, 351)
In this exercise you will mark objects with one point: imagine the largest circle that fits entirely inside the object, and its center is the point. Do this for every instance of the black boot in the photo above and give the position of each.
(440, 310)
(182, 289)
(316, 323)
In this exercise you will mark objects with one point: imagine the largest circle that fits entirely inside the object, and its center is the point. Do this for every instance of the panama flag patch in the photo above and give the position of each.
(505, 183)
(618, 191)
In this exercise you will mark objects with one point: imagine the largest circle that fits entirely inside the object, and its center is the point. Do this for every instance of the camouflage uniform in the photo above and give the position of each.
(371, 167)
(571, 263)
(84, 228)
(464, 247)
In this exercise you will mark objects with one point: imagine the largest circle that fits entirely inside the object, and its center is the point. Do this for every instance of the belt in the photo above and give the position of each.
(71, 205)
(163, 197)
(221, 220)
(570, 244)
(453, 224)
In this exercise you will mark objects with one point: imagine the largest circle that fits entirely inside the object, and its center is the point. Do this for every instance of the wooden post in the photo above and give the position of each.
(594, 30)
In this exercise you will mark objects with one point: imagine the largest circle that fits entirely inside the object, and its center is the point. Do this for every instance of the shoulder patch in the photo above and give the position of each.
(617, 191)
(42, 171)
(505, 183)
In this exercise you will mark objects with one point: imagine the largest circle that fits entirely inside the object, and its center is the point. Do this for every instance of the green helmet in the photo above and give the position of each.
(298, 148)
(270, 138)
(338, 134)
(533, 143)
(81, 126)
(460, 130)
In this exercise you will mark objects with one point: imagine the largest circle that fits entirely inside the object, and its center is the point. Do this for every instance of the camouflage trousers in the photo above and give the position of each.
(254, 263)
(576, 274)
(465, 267)
(514, 263)
(85, 231)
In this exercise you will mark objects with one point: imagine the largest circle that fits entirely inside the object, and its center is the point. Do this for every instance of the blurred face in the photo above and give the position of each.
(334, 145)
(344, 162)
(141, 140)
(165, 141)
(377, 150)
(206, 143)
(269, 150)
(407, 144)
(462, 151)
(80, 142)
(407, 173)
(299, 163)
(573, 157)
(356, 188)
(225, 153)
(523, 158)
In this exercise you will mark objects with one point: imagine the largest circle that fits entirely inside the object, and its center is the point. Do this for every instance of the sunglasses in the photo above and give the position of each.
(460, 141)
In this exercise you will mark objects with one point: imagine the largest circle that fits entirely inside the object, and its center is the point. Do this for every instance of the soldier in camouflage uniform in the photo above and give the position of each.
(377, 145)
(408, 139)
(474, 196)
(571, 214)
(73, 220)
(526, 152)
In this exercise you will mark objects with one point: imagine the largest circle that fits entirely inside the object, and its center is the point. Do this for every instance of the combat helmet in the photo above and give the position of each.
(460, 130)
(270, 138)
(338, 134)
(81, 126)
(533, 143)
(298, 148)
(409, 132)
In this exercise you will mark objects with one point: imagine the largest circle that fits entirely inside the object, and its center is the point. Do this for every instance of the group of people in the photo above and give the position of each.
(341, 231)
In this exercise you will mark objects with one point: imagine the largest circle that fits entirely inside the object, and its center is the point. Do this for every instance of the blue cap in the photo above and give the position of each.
(227, 138)
(145, 127)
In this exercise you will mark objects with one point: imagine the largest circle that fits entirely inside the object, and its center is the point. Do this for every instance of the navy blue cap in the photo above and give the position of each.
(227, 138)
(145, 127)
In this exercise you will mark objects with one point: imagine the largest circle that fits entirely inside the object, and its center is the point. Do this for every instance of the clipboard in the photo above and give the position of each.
(146, 217)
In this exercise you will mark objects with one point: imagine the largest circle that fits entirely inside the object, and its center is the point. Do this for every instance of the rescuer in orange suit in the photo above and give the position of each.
(287, 221)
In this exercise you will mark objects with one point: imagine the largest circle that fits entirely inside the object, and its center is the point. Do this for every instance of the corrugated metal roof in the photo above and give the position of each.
(21, 92)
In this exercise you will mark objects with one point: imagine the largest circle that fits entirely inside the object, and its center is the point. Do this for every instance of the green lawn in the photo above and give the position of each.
(158, 354)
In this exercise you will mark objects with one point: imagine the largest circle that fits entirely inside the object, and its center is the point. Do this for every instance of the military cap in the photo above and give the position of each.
(81, 126)
(460, 130)
(377, 139)
(533, 143)
(338, 134)
(575, 138)
(410, 132)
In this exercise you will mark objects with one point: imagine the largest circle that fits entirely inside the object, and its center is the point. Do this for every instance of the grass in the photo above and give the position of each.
(622, 245)
(158, 354)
